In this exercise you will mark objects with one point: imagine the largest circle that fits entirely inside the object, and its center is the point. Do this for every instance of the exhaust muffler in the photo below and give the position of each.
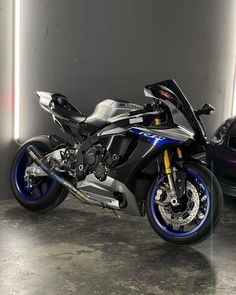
(41, 161)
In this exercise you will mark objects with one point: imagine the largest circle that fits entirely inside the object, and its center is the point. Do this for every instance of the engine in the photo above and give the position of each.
(98, 160)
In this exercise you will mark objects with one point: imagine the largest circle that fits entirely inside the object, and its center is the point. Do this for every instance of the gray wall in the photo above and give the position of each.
(6, 94)
(92, 50)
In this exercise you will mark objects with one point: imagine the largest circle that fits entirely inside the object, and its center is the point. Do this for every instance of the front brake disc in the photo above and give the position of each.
(180, 216)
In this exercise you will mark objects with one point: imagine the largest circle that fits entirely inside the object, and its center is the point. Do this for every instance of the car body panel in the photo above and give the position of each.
(222, 159)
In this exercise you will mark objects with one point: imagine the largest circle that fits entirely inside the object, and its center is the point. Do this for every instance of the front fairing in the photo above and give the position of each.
(169, 91)
(150, 144)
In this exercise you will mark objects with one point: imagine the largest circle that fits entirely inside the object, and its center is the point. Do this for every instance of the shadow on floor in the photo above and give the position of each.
(89, 251)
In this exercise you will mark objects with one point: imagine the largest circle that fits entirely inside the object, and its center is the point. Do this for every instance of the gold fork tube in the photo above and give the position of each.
(157, 121)
(179, 153)
(167, 162)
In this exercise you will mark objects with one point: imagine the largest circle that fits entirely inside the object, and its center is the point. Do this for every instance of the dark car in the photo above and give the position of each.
(221, 155)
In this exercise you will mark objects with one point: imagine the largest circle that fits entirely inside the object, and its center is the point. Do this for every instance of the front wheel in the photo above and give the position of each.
(197, 213)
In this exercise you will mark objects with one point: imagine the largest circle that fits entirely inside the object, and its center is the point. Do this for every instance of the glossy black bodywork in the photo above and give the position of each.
(221, 156)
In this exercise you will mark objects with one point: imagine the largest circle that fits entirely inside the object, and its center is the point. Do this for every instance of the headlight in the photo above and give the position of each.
(221, 131)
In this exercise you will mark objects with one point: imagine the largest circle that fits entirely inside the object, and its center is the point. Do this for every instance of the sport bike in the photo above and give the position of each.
(125, 157)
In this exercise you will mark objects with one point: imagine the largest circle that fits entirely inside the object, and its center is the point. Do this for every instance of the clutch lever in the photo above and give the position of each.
(206, 110)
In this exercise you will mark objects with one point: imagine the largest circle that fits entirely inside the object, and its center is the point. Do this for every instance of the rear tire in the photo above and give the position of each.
(212, 217)
(52, 197)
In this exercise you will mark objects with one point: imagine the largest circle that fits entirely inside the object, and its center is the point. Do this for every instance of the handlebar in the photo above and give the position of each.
(146, 108)
(160, 107)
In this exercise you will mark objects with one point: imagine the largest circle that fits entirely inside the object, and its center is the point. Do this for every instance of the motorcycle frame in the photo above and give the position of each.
(150, 142)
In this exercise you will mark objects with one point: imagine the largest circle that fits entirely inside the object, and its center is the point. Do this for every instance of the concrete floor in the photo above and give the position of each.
(79, 249)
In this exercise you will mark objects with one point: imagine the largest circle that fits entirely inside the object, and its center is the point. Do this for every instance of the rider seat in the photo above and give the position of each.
(62, 108)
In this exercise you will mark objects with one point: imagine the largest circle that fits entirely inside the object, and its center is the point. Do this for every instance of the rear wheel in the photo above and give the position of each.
(44, 192)
(198, 211)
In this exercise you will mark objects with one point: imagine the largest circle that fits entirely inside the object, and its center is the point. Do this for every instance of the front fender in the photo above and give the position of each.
(182, 163)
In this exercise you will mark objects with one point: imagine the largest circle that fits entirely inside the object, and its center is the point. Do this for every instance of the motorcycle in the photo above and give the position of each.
(125, 157)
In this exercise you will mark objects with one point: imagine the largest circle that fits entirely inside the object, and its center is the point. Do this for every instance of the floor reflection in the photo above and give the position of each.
(83, 249)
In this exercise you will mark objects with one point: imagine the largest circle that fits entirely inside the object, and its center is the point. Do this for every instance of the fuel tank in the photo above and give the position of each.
(110, 108)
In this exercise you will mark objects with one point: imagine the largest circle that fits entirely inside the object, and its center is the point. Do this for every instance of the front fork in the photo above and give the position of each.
(168, 171)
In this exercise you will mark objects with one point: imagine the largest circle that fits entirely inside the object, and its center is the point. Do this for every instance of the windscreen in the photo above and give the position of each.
(178, 99)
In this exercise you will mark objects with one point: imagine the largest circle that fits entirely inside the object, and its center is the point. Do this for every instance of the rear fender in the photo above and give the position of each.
(52, 141)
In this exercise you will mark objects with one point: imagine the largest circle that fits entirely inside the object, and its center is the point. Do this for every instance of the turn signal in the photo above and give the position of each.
(165, 94)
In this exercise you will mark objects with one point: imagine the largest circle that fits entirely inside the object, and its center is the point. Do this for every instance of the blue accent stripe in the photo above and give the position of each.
(155, 140)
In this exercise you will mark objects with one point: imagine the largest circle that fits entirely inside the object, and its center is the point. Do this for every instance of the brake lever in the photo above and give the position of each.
(206, 110)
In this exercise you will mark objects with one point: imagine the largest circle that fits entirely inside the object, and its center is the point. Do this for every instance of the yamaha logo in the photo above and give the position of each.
(151, 135)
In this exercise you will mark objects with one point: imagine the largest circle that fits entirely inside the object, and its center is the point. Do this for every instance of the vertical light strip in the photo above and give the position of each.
(17, 70)
(234, 94)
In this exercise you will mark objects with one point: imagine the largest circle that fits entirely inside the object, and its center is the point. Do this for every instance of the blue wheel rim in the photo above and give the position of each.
(158, 218)
(19, 171)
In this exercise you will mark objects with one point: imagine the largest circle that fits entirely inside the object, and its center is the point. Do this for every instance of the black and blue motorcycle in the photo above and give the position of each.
(125, 157)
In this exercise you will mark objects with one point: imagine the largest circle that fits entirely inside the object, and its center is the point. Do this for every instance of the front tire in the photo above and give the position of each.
(47, 193)
(211, 209)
